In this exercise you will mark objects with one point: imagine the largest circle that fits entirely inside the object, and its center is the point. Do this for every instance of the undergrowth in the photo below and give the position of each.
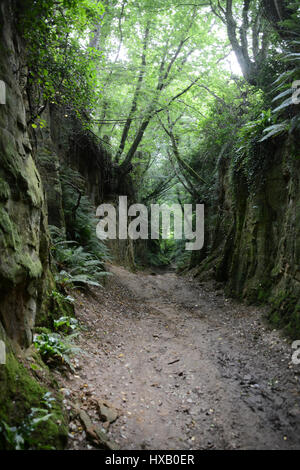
(22, 437)
(78, 254)
(55, 349)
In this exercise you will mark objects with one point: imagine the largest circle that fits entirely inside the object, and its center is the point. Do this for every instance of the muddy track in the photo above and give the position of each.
(184, 367)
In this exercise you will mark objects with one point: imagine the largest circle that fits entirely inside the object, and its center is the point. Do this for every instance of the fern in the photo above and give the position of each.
(75, 265)
(78, 254)
(286, 115)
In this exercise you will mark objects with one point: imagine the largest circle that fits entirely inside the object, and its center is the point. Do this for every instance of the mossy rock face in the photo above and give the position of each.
(4, 190)
(49, 168)
(19, 393)
(52, 304)
(24, 246)
(253, 246)
(24, 256)
(54, 307)
(285, 313)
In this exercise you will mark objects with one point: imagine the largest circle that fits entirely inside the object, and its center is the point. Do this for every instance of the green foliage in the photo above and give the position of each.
(59, 60)
(180, 256)
(75, 265)
(80, 223)
(252, 130)
(54, 349)
(146, 72)
(251, 155)
(286, 114)
(66, 279)
(65, 324)
(248, 157)
(20, 392)
(22, 437)
(158, 253)
(80, 258)
(285, 313)
(226, 135)
(61, 297)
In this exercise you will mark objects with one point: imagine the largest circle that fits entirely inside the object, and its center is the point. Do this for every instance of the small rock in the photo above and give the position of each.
(107, 412)
(294, 412)
(94, 432)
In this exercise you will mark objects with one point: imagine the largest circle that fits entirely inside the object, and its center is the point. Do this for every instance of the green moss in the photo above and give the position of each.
(34, 183)
(206, 265)
(24, 174)
(263, 294)
(4, 190)
(32, 266)
(258, 291)
(53, 306)
(61, 307)
(9, 154)
(285, 313)
(19, 393)
(8, 232)
(42, 329)
(16, 258)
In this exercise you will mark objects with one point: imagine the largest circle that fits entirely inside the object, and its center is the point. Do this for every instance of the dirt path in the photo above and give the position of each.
(185, 368)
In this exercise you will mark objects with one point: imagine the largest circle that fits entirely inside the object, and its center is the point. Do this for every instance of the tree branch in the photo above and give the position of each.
(136, 95)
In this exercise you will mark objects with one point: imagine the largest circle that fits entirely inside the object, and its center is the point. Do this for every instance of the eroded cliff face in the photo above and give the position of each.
(25, 278)
(253, 244)
(65, 142)
(31, 161)
(23, 235)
